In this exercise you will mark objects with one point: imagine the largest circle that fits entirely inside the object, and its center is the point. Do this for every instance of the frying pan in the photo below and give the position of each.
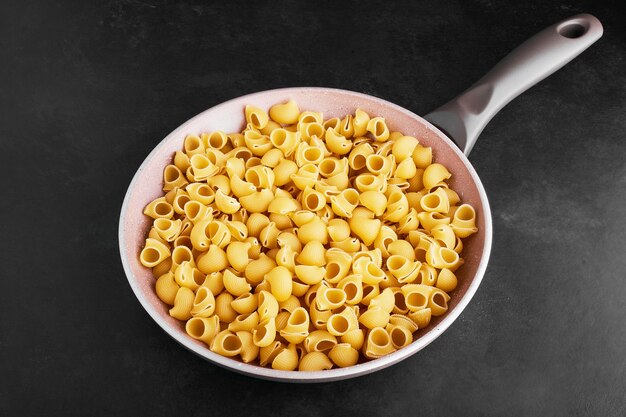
(451, 131)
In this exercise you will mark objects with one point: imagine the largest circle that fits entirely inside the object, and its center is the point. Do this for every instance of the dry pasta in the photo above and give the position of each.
(305, 244)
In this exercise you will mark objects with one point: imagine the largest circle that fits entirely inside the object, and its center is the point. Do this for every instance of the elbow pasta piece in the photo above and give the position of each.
(244, 322)
(378, 128)
(305, 244)
(286, 113)
(378, 343)
(249, 351)
(203, 328)
(166, 288)
(183, 303)
(154, 253)
(287, 359)
(226, 343)
(314, 361)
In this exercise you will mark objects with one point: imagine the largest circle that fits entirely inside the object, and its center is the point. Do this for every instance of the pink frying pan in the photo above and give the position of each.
(450, 130)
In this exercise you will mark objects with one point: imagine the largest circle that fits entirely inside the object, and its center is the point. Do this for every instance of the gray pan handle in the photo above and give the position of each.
(464, 117)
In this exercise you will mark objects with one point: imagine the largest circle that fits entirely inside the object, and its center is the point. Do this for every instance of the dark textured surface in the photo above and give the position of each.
(89, 89)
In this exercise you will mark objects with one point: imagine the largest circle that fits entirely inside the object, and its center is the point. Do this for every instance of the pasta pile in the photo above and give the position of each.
(306, 244)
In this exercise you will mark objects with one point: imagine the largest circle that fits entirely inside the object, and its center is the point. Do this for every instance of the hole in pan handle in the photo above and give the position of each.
(464, 117)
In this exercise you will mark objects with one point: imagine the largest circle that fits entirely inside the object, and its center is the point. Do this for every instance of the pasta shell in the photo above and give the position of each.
(287, 359)
(314, 230)
(235, 285)
(319, 341)
(385, 300)
(377, 344)
(315, 361)
(403, 321)
(433, 174)
(203, 303)
(246, 322)
(286, 113)
(257, 269)
(330, 298)
(422, 156)
(203, 328)
(183, 302)
(154, 253)
(268, 306)
(421, 317)
(344, 355)
(214, 282)
(365, 229)
(214, 260)
(313, 253)
(400, 336)
(374, 317)
(166, 288)
(355, 338)
(224, 309)
(280, 283)
(245, 303)
(268, 353)
(249, 351)
(226, 343)
(416, 296)
(265, 333)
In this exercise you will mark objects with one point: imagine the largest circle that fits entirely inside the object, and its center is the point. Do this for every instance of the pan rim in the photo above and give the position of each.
(338, 373)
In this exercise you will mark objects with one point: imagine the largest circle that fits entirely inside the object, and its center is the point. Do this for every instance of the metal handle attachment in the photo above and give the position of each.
(464, 117)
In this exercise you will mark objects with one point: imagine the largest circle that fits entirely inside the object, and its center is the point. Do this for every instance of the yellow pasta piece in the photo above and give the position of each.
(355, 338)
(374, 317)
(159, 208)
(256, 116)
(319, 341)
(344, 355)
(257, 202)
(244, 322)
(422, 156)
(268, 305)
(314, 361)
(203, 328)
(188, 276)
(438, 302)
(255, 270)
(297, 327)
(213, 260)
(377, 344)
(226, 343)
(400, 336)
(223, 307)
(154, 253)
(280, 282)
(183, 303)
(245, 303)
(421, 317)
(403, 148)
(434, 174)
(378, 128)
(416, 296)
(249, 351)
(286, 113)
(446, 280)
(264, 334)
(336, 142)
(166, 288)
(329, 298)
(341, 323)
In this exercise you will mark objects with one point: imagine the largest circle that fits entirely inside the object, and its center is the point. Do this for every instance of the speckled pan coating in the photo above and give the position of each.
(147, 182)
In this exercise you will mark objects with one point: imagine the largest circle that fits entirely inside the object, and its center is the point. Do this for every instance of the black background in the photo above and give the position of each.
(89, 88)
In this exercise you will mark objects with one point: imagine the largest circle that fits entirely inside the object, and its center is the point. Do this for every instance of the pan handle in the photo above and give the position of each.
(464, 117)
